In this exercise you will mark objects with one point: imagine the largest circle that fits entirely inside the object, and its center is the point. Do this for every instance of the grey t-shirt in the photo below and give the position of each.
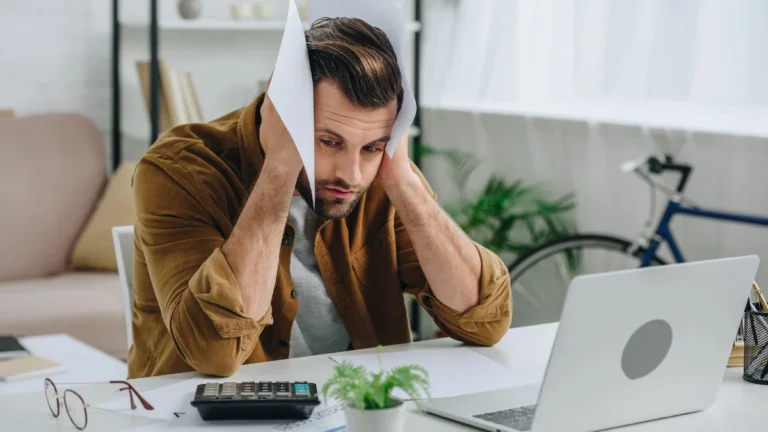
(317, 328)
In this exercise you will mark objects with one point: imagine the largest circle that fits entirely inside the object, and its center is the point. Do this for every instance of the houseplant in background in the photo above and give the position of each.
(508, 218)
(367, 396)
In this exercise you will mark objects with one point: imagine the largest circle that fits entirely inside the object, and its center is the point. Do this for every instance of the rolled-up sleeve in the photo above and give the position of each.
(483, 324)
(198, 295)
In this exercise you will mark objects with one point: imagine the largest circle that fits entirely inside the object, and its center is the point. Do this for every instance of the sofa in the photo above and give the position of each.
(57, 204)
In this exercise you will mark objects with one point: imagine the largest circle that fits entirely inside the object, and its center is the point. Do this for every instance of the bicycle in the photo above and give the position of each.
(571, 255)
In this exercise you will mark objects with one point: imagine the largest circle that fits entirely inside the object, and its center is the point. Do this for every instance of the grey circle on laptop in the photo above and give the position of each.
(646, 349)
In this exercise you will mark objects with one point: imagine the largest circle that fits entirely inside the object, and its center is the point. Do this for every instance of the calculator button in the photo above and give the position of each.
(265, 388)
(211, 390)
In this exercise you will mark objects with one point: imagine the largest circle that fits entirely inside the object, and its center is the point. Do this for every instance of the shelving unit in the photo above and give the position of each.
(155, 25)
(230, 25)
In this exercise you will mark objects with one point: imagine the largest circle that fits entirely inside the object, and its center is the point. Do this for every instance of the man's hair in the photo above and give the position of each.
(358, 58)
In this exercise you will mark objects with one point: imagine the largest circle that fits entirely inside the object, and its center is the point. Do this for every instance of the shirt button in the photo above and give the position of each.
(286, 239)
(427, 301)
(377, 243)
(294, 294)
(283, 343)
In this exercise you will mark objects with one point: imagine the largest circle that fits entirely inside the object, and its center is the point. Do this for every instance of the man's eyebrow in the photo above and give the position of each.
(384, 139)
(330, 131)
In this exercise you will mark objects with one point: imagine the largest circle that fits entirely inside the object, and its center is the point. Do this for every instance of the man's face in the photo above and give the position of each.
(349, 145)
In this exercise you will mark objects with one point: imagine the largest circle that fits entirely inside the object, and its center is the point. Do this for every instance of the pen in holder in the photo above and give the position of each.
(755, 328)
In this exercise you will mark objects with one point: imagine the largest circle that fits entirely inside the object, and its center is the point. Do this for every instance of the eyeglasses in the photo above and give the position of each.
(77, 409)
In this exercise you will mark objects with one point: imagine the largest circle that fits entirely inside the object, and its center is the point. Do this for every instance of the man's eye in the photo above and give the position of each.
(372, 149)
(328, 143)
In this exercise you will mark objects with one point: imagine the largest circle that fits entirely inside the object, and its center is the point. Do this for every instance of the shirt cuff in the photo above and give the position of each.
(217, 291)
(495, 297)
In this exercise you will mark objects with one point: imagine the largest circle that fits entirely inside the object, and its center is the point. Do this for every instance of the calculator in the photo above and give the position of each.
(262, 400)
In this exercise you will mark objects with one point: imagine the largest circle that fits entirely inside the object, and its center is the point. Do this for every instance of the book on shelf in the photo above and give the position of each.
(178, 100)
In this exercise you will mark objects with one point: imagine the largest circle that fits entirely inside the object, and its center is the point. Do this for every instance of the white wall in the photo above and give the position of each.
(55, 57)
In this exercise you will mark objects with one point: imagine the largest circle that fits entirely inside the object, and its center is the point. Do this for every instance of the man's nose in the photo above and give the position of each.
(348, 168)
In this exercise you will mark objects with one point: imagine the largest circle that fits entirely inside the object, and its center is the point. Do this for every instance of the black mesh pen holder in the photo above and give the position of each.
(756, 347)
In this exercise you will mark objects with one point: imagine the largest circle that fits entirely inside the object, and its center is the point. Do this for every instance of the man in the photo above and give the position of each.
(234, 264)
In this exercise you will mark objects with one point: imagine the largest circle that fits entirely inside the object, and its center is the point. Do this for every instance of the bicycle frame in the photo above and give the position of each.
(663, 231)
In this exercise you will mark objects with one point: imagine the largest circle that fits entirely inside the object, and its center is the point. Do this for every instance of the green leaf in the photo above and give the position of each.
(372, 390)
(506, 216)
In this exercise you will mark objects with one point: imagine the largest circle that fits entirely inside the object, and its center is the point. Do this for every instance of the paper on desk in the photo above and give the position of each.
(172, 403)
(324, 419)
(169, 402)
(291, 89)
(453, 371)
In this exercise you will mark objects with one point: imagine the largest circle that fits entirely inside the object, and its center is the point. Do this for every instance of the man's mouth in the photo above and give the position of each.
(339, 193)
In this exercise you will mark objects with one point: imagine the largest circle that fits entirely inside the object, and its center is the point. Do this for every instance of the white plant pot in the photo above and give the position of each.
(380, 420)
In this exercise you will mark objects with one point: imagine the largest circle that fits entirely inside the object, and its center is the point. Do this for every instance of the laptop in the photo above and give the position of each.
(632, 346)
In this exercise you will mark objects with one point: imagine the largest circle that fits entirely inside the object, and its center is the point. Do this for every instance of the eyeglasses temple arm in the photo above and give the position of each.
(133, 390)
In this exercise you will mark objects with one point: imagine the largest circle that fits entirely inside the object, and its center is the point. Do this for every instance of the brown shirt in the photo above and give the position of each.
(188, 313)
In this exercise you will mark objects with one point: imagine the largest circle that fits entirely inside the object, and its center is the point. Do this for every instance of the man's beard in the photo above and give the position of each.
(329, 208)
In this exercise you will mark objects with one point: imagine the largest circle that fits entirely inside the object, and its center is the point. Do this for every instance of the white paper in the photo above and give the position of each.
(452, 371)
(292, 92)
(324, 419)
(172, 404)
(169, 402)
(387, 17)
(291, 88)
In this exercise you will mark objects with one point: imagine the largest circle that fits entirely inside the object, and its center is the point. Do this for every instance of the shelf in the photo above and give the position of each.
(413, 132)
(737, 121)
(229, 25)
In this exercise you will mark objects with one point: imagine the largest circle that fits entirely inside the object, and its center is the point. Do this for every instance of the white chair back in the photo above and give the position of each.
(122, 236)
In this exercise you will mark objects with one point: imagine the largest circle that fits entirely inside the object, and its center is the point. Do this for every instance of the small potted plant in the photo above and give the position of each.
(368, 402)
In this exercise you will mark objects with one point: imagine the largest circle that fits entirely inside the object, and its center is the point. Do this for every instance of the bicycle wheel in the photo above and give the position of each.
(540, 277)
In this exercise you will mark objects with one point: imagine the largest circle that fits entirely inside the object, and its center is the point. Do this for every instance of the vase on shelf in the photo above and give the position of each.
(189, 9)
(262, 10)
(302, 8)
(239, 11)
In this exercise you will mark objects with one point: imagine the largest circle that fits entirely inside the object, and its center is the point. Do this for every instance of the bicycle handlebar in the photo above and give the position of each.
(657, 166)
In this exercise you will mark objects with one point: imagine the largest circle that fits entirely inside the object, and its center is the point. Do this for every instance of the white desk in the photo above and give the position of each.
(740, 406)
(84, 363)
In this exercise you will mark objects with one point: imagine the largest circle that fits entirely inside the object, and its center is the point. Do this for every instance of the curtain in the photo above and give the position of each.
(709, 52)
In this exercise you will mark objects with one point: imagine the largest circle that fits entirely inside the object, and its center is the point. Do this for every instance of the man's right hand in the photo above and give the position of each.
(278, 145)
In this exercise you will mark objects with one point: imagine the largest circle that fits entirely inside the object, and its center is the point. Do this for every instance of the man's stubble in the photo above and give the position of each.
(334, 208)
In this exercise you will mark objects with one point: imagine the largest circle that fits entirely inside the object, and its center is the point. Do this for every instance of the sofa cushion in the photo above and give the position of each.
(95, 249)
(84, 305)
(54, 170)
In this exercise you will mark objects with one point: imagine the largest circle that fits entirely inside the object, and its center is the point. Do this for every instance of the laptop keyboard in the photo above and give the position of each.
(520, 418)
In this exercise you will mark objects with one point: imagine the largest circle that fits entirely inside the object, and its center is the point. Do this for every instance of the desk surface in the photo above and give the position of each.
(739, 406)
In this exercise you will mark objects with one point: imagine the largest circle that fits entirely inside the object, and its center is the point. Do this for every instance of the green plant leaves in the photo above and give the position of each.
(507, 218)
(368, 390)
